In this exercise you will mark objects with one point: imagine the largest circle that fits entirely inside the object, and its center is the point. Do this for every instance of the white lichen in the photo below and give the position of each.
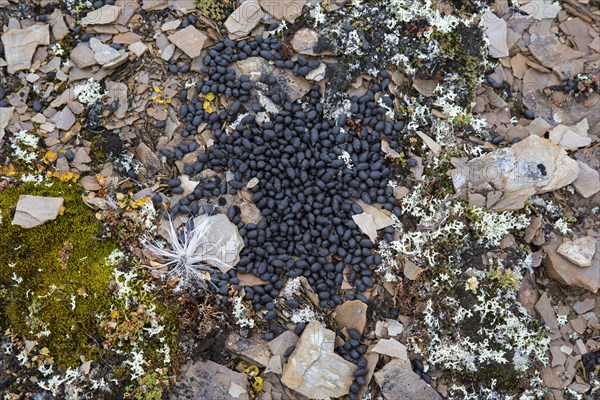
(89, 93)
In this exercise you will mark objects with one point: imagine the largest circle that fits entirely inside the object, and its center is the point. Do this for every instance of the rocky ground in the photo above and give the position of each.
(299, 199)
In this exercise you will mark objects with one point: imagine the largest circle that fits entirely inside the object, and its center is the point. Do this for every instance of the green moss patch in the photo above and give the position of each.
(63, 254)
(74, 297)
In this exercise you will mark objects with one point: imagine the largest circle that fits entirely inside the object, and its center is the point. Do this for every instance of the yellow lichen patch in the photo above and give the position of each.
(206, 105)
(63, 176)
(8, 170)
(50, 156)
(160, 98)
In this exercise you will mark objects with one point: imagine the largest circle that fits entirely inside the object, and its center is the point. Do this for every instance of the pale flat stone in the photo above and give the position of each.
(432, 144)
(550, 52)
(255, 67)
(581, 307)
(281, 343)
(579, 251)
(411, 271)
(138, 48)
(283, 9)
(569, 68)
(317, 74)
(33, 211)
(392, 348)
(104, 15)
(381, 217)
(587, 183)
(274, 365)
(6, 114)
(245, 18)
(237, 391)
(253, 350)
(313, 369)
(38, 119)
(103, 53)
(222, 239)
(538, 127)
(65, 119)
(541, 9)
(304, 41)
(571, 137)
(352, 315)
(127, 38)
(20, 45)
(398, 382)
(153, 5)
(168, 52)
(190, 40)
(496, 30)
(532, 166)
(568, 273)
(544, 307)
(118, 91)
(57, 22)
(394, 327)
(170, 25)
(148, 158)
(83, 56)
(366, 225)
(81, 156)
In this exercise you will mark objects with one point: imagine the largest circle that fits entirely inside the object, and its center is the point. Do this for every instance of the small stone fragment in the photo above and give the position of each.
(313, 369)
(190, 40)
(209, 380)
(398, 382)
(580, 251)
(65, 119)
(304, 41)
(138, 48)
(83, 56)
(392, 348)
(571, 137)
(283, 9)
(253, 350)
(104, 54)
(352, 315)
(274, 365)
(587, 183)
(20, 45)
(281, 343)
(544, 307)
(532, 166)
(153, 5)
(6, 114)
(222, 240)
(496, 30)
(33, 211)
(411, 271)
(57, 22)
(366, 225)
(244, 19)
(102, 16)
(568, 273)
(541, 9)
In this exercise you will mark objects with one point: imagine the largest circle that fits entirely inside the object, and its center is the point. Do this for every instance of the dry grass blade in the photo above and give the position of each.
(191, 257)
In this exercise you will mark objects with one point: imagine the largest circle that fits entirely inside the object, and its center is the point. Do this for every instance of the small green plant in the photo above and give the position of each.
(505, 277)
(217, 10)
